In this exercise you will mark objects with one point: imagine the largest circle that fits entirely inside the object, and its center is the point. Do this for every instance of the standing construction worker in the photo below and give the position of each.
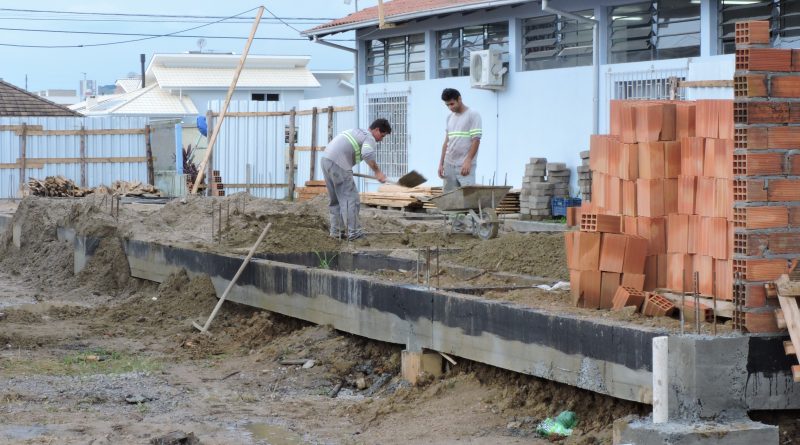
(340, 156)
(461, 141)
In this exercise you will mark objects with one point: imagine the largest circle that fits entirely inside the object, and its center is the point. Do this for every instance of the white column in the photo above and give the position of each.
(660, 380)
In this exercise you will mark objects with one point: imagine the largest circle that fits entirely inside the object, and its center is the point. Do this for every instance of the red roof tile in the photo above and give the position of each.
(396, 8)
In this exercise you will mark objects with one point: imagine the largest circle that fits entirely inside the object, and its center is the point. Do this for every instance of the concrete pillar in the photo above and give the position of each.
(660, 379)
(414, 365)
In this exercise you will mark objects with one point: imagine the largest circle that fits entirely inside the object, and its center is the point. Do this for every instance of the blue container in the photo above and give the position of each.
(558, 206)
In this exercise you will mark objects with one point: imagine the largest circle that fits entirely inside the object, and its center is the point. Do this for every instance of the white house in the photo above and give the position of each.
(181, 85)
(559, 80)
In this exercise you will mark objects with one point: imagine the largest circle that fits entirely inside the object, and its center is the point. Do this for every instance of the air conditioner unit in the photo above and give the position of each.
(486, 69)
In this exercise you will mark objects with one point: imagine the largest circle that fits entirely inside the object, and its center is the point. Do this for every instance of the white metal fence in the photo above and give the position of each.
(89, 150)
(252, 149)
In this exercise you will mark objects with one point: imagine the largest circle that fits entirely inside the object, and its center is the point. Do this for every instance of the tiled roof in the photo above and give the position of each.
(395, 9)
(180, 77)
(128, 85)
(15, 101)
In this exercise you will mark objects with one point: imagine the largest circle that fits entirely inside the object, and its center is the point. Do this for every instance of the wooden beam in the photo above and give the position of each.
(231, 88)
(40, 162)
(313, 160)
(151, 175)
(79, 132)
(290, 174)
(789, 348)
(18, 128)
(280, 113)
(83, 156)
(23, 142)
(705, 83)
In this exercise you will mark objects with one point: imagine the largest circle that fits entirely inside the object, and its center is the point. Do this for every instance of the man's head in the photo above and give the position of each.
(380, 128)
(452, 98)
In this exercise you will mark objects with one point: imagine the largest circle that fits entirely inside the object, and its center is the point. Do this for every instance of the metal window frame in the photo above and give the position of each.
(463, 56)
(383, 53)
(392, 152)
(559, 30)
(651, 51)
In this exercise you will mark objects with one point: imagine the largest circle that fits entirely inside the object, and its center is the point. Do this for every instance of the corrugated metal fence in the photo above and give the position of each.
(89, 150)
(252, 150)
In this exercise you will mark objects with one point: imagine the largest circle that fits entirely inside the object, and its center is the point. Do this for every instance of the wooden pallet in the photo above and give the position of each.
(789, 315)
(397, 197)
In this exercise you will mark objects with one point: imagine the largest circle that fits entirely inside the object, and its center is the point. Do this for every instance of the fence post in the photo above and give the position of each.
(313, 143)
(210, 170)
(83, 156)
(151, 176)
(290, 176)
(330, 123)
(23, 164)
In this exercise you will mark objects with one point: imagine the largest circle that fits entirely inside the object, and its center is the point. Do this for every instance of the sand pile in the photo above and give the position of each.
(539, 254)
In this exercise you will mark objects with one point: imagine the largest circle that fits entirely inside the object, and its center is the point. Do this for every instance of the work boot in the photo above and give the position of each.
(356, 235)
(337, 236)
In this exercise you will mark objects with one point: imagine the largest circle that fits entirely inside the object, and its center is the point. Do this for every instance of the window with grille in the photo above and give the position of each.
(392, 152)
(396, 59)
(657, 88)
(783, 15)
(453, 46)
(654, 30)
(555, 42)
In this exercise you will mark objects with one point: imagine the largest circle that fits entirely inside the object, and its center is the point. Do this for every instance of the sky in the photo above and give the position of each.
(50, 68)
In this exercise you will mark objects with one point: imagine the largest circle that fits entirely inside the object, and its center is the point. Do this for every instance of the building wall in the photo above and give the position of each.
(329, 87)
(541, 113)
(201, 98)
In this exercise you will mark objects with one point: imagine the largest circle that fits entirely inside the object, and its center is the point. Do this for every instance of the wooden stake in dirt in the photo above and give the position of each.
(218, 125)
(224, 296)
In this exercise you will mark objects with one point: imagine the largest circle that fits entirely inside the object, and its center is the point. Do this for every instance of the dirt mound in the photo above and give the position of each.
(108, 269)
(539, 254)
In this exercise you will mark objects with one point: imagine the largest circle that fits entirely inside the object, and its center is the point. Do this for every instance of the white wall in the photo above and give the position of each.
(540, 114)
(289, 98)
(330, 86)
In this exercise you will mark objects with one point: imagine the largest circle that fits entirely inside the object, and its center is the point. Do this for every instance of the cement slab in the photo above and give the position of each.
(536, 226)
(738, 432)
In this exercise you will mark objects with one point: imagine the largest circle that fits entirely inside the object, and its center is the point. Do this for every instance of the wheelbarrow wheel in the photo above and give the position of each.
(489, 227)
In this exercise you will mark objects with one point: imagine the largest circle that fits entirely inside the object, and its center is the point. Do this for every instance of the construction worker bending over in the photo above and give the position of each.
(340, 156)
(461, 141)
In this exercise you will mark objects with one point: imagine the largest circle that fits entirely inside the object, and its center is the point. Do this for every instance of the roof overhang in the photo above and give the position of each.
(405, 17)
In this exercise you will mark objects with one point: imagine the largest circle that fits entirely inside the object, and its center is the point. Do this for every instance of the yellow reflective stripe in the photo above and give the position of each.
(354, 143)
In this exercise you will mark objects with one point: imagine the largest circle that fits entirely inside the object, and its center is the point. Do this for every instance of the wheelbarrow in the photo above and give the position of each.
(471, 209)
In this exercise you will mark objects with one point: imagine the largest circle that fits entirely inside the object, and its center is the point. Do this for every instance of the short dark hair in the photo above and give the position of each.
(382, 125)
(450, 94)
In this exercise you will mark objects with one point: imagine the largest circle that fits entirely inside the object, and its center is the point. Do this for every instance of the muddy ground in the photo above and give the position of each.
(105, 358)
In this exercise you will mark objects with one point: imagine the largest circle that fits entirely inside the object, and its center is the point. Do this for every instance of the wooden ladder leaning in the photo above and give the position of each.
(788, 317)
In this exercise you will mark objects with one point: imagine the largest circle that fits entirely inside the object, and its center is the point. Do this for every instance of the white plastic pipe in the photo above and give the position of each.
(660, 380)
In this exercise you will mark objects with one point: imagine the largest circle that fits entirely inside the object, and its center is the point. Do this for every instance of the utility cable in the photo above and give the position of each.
(60, 31)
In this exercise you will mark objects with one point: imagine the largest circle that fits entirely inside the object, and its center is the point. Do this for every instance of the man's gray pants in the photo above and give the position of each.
(344, 202)
(453, 178)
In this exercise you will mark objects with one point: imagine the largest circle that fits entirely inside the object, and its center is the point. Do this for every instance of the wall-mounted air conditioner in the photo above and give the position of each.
(486, 69)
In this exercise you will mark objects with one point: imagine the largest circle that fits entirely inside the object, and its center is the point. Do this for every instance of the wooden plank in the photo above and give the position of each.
(91, 132)
(18, 128)
(705, 83)
(255, 186)
(39, 162)
(779, 320)
(210, 148)
(789, 348)
(23, 141)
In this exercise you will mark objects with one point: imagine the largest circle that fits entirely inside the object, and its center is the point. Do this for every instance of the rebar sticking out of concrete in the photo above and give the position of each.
(696, 280)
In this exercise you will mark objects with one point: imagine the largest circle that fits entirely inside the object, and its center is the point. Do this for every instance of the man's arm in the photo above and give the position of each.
(441, 160)
(473, 151)
(475, 133)
(377, 170)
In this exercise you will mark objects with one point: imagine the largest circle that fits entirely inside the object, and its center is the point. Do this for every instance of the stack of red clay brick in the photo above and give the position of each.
(711, 186)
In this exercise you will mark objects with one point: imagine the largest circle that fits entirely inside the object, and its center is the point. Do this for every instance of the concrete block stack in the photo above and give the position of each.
(558, 174)
(712, 188)
(534, 198)
(585, 177)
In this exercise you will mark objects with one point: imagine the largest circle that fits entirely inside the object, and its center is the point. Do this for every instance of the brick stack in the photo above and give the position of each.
(766, 172)
(712, 186)
(558, 174)
(217, 187)
(534, 199)
(585, 177)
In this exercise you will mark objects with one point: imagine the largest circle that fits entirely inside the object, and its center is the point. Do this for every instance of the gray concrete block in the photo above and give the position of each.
(583, 169)
(537, 161)
(553, 166)
(559, 174)
(737, 432)
(539, 201)
(584, 154)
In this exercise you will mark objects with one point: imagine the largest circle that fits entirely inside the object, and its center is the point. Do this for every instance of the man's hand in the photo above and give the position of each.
(466, 167)
(381, 177)
(441, 171)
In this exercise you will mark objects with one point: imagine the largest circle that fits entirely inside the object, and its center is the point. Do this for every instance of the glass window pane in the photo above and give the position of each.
(732, 11)
(678, 30)
(631, 33)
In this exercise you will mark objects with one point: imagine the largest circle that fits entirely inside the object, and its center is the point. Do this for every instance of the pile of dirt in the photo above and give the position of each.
(538, 254)
(108, 269)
